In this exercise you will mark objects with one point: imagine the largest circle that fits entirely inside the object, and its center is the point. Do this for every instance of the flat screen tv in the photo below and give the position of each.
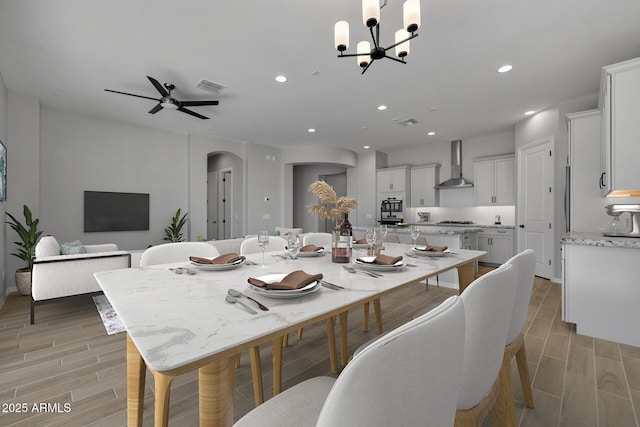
(109, 211)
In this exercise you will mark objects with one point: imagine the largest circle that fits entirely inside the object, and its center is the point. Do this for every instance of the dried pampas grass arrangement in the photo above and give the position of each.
(327, 196)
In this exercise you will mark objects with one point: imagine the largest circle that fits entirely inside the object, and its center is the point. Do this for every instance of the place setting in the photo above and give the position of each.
(380, 263)
(220, 263)
(286, 285)
(431, 251)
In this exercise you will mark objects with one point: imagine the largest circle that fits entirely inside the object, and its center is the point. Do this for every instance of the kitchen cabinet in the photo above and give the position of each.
(393, 179)
(620, 105)
(494, 179)
(600, 291)
(497, 243)
(423, 180)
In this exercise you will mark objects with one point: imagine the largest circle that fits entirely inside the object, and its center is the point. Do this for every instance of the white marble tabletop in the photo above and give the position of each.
(176, 319)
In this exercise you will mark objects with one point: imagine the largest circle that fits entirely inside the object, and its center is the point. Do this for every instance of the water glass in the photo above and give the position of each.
(384, 230)
(293, 245)
(263, 242)
(371, 237)
(415, 233)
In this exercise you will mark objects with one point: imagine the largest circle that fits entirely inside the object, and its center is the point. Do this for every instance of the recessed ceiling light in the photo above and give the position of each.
(505, 68)
(382, 107)
(530, 112)
(431, 133)
(311, 130)
(281, 79)
(366, 146)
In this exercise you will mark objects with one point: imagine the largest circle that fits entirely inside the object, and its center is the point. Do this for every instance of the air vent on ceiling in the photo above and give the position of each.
(408, 122)
(210, 86)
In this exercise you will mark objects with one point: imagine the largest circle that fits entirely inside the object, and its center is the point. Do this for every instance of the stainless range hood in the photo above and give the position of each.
(456, 180)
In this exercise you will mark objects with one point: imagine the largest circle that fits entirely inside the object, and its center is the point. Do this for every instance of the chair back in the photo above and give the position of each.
(524, 264)
(421, 241)
(318, 239)
(250, 245)
(488, 303)
(410, 376)
(176, 252)
(392, 238)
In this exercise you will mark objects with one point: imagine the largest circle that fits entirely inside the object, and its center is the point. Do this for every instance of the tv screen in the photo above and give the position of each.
(108, 211)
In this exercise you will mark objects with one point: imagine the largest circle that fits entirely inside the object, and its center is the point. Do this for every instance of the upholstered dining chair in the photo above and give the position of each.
(318, 239)
(176, 252)
(488, 304)
(250, 245)
(392, 238)
(524, 265)
(387, 384)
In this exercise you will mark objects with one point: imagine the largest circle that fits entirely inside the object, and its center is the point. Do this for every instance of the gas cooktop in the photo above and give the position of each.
(456, 222)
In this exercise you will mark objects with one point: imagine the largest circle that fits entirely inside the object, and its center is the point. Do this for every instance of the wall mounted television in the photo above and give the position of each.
(110, 211)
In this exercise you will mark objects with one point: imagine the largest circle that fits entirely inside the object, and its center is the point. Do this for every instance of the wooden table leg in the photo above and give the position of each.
(256, 375)
(162, 384)
(136, 370)
(365, 321)
(344, 329)
(377, 308)
(465, 275)
(331, 336)
(216, 392)
(277, 345)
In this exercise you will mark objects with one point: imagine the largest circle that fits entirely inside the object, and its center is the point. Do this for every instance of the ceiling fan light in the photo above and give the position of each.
(341, 35)
(169, 105)
(411, 15)
(364, 54)
(402, 49)
(370, 12)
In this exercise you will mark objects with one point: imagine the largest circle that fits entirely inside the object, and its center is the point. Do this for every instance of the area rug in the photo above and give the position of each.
(110, 319)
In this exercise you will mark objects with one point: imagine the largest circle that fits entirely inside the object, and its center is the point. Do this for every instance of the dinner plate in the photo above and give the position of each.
(277, 293)
(370, 266)
(217, 267)
(311, 254)
(446, 252)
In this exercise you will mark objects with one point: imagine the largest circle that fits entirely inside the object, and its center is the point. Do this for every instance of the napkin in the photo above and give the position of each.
(311, 248)
(361, 242)
(383, 260)
(229, 258)
(292, 281)
(430, 248)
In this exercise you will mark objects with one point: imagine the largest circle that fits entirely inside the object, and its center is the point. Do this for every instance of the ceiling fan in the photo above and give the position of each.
(166, 101)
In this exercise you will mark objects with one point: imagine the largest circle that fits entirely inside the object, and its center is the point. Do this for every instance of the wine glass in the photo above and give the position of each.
(371, 237)
(384, 230)
(415, 233)
(263, 242)
(293, 245)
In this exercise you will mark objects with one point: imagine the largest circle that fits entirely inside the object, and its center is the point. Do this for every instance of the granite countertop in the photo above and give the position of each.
(435, 224)
(597, 239)
(431, 230)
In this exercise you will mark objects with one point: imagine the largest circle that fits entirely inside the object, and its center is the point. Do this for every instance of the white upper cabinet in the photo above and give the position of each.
(423, 180)
(494, 179)
(620, 105)
(393, 179)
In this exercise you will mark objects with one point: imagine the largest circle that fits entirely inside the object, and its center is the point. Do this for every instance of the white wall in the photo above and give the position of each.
(81, 153)
(265, 180)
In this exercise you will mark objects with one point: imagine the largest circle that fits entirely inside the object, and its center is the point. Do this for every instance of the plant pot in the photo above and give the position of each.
(23, 281)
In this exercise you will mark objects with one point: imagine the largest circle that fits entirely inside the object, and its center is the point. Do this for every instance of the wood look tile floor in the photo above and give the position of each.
(74, 372)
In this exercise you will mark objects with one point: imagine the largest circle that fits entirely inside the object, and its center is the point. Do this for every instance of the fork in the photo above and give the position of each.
(368, 273)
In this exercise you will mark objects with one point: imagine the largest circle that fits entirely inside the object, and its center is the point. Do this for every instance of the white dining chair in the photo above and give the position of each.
(488, 304)
(524, 264)
(387, 384)
(250, 245)
(318, 239)
(176, 252)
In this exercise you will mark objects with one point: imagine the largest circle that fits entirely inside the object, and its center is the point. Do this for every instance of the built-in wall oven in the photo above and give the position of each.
(391, 211)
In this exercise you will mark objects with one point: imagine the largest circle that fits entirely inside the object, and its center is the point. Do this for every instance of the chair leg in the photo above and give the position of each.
(506, 390)
(256, 374)
(378, 310)
(365, 321)
(33, 311)
(525, 381)
(277, 345)
(300, 333)
(331, 337)
(285, 341)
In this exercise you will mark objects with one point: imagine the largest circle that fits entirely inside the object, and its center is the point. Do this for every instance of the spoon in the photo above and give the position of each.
(233, 300)
(238, 294)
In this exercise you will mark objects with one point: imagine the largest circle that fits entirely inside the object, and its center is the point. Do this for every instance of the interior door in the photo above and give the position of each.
(212, 205)
(225, 186)
(535, 203)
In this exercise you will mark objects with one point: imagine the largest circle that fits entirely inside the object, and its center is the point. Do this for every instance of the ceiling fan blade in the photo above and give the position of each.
(158, 86)
(196, 103)
(193, 113)
(156, 109)
(131, 94)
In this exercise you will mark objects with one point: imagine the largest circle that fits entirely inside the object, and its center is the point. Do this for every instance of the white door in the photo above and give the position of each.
(212, 205)
(225, 186)
(535, 203)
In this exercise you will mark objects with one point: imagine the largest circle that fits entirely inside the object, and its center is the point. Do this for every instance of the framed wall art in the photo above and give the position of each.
(3, 172)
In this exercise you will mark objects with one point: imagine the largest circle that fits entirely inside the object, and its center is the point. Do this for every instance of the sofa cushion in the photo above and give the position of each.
(72, 248)
(47, 246)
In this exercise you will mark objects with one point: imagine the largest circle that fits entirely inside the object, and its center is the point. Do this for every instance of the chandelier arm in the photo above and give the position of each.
(413, 36)
(395, 59)
(367, 67)
(375, 40)
(346, 55)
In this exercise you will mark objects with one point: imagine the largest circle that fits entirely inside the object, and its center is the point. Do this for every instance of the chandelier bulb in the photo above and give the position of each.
(402, 49)
(341, 36)
(411, 15)
(370, 12)
(364, 54)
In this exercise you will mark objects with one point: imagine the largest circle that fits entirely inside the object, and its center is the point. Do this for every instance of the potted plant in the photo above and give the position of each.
(29, 235)
(173, 233)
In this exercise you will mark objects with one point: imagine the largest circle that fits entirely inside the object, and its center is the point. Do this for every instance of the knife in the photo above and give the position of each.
(331, 285)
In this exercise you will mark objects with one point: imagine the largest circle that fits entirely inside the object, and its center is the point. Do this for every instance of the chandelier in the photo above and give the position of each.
(371, 18)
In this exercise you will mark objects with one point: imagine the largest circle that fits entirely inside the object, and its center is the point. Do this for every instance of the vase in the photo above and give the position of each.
(23, 281)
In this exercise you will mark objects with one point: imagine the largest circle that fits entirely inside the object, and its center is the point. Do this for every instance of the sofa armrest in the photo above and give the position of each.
(65, 275)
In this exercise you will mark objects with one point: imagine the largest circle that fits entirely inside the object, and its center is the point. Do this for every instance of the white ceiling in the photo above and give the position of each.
(66, 52)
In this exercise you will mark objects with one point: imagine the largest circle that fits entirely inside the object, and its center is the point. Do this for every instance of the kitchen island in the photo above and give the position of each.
(601, 286)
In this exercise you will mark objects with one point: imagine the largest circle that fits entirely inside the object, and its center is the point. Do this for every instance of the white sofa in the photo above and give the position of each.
(56, 276)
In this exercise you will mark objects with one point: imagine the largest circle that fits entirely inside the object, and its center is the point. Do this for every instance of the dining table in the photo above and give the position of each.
(178, 322)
